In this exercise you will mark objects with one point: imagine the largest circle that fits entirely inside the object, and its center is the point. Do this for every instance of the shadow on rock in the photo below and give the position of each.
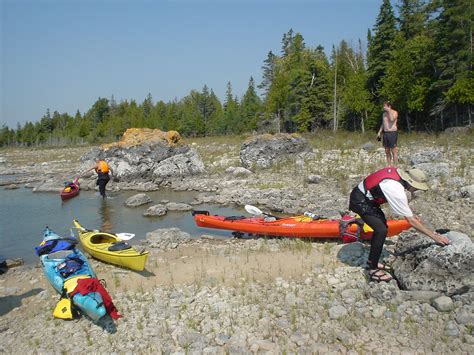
(145, 273)
(107, 324)
(9, 303)
(356, 254)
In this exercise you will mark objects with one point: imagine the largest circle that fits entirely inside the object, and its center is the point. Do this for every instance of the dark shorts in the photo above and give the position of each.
(390, 139)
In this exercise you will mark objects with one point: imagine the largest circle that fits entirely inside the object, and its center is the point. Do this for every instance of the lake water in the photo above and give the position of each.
(24, 214)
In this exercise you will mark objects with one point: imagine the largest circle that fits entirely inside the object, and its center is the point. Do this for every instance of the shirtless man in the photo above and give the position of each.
(390, 133)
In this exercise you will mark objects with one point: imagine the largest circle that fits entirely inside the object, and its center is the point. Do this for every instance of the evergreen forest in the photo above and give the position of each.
(418, 56)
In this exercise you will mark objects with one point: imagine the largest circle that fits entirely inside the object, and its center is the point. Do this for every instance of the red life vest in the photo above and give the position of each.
(371, 183)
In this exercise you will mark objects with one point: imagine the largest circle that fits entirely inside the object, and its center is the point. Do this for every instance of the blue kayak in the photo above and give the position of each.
(63, 268)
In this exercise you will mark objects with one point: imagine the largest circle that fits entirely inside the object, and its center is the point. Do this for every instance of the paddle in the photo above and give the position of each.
(256, 211)
(253, 210)
(125, 236)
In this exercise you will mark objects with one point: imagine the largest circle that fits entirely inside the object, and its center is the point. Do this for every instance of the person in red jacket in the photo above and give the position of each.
(388, 185)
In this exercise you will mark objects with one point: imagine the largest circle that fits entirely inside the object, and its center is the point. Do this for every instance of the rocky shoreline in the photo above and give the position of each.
(203, 295)
(240, 296)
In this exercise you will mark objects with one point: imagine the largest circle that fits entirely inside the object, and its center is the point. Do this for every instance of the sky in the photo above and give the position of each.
(63, 55)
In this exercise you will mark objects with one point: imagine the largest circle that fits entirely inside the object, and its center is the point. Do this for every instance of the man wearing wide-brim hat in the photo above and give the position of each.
(388, 185)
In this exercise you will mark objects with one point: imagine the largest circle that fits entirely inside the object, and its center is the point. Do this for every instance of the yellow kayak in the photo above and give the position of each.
(109, 248)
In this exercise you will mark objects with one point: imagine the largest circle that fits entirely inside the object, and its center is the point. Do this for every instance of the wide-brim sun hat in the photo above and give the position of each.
(414, 177)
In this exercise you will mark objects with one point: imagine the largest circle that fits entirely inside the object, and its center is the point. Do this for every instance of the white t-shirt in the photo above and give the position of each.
(395, 195)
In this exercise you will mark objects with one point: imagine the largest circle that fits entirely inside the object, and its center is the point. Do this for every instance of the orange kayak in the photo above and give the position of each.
(296, 227)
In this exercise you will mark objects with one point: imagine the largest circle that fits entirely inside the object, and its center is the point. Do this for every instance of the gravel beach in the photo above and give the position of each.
(200, 294)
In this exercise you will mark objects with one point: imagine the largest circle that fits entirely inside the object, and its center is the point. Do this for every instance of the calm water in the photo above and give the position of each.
(24, 214)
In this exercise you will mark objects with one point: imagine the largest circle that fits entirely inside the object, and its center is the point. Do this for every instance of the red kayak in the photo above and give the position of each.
(296, 227)
(70, 190)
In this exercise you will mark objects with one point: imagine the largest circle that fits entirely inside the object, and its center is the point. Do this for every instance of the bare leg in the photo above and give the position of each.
(395, 156)
(388, 155)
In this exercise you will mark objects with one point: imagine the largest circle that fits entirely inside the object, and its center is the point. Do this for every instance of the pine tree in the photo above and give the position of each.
(454, 61)
(250, 107)
(232, 118)
(413, 16)
(147, 106)
(287, 42)
(381, 46)
(268, 74)
(409, 77)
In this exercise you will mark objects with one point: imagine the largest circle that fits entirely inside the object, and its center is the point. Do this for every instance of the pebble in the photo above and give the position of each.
(443, 304)
(337, 312)
(451, 329)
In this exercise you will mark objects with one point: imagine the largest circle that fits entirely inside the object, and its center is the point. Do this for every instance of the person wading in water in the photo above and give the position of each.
(390, 134)
(102, 169)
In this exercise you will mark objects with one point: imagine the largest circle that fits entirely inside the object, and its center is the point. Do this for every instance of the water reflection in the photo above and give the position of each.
(104, 212)
(24, 214)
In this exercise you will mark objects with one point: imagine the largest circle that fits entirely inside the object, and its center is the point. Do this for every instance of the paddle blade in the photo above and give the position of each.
(125, 236)
(253, 210)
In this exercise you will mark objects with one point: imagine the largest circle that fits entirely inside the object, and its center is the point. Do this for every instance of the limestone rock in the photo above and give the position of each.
(169, 238)
(426, 156)
(369, 146)
(147, 155)
(314, 179)
(14, 262)
(11, 187)
(138, 136)
(451, 329)
(443, 304)
(138, 200)
(265, 150)
(178, 206)
(183, 164)
(433, 170)
(465, 315)
(467, 191)
(337, 312)
(422, 265)
(50, 185)
(156, 210)
(240, 171)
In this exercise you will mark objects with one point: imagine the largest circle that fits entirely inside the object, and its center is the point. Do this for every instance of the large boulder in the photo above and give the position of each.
(421, 264)
(434, 170)
(147, 155)
(431, 155)
(264, 150)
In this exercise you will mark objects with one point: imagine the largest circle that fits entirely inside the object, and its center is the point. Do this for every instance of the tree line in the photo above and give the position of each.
(418, 57)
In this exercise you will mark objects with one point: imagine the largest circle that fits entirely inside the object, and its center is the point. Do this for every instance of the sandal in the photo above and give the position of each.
(379, 276)
(384, 267)
(380, 266)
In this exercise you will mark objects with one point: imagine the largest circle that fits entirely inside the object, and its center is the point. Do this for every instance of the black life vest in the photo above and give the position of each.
(371, 183)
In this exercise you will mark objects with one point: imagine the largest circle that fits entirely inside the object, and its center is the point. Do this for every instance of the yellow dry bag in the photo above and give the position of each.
(63, 309)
